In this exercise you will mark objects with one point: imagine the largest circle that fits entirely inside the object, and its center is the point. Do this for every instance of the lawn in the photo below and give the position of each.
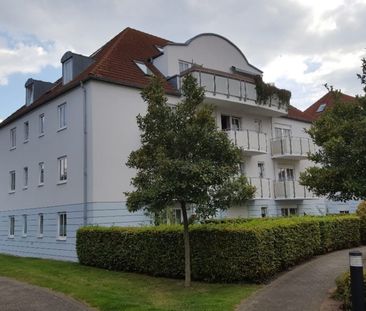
(112, 291)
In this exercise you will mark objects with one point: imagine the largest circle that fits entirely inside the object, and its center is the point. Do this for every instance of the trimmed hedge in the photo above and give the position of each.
(226, 252)
(343, 291)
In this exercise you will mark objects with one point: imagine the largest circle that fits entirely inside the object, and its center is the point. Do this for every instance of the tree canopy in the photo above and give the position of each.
(340, 133)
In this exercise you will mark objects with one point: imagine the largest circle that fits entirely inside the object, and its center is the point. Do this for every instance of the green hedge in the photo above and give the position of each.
(343, 291)
(226, 252)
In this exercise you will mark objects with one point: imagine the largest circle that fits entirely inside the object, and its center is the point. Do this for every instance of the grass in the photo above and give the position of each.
(112, 291)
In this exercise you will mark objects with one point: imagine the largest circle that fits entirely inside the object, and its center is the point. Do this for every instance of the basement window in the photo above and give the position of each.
(143, 68)
(321, 108)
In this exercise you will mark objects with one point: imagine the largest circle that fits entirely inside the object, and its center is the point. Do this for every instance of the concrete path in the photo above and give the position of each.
(304, 288)
(17, 296)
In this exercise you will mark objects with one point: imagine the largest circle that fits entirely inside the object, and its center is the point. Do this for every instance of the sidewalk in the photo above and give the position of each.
(304, 288)
(17, 296)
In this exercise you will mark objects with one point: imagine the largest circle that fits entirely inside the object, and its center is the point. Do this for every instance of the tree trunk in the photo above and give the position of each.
(187, 250)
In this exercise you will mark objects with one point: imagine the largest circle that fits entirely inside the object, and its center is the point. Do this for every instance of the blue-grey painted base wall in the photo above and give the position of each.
(49, 246)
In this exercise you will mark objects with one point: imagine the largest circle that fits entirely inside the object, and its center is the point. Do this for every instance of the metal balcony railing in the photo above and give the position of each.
(291, 189)
(263, 187)
(291, 146)
(248, 140)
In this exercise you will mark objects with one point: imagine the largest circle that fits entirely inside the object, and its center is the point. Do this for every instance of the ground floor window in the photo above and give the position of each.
(288, 212)
(343, 212)
(11, 226)
(25, 225)
(40, 225)
(62, 226)
(264, 211)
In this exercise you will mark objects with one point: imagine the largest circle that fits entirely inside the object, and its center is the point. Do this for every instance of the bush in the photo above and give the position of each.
(361, 212)
(343, 291)
(227, 252)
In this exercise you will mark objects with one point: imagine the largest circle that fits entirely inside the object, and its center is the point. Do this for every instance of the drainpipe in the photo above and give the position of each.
(85, 158)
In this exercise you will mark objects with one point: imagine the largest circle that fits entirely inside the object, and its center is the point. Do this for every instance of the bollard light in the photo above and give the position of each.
(356, 272)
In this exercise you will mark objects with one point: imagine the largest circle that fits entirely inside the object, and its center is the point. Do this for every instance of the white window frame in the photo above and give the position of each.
(264, 211)
(41, 121)
(25, 226)
(12, 175)
(261, 169)
(26, 131)
(41, 168)
(61, 110)
(235, 123)
(321, 107)
(26, 177)
(11, 227)
(29, 94)
(67, 71)
(62, 169)
(142, 66)
(13, 138)
(40, 225)
(62, 226)
(183, 65)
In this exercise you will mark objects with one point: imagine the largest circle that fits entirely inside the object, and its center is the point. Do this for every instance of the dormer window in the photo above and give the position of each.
(143, 68)
(321, 108)
(67, 71)
(29, 95)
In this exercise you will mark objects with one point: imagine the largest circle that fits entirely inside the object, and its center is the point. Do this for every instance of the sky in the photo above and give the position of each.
(299, 44)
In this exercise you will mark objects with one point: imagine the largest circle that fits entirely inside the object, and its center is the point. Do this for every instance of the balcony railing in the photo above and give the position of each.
(263, 187)
(251, 142)
(291, 189)
(291, 147)
(230, 87)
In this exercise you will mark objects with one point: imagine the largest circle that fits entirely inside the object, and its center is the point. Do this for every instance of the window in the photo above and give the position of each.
(230, 123)
(67, 71)
(183, 66)
(62, 116)
(177, 216)
(286, 174)
(40, 225)
(343, 212)
(144, 68)
(41, 173)
(321, 108)
(261, 169)
(285, 212)
(13, 138)
(25, 225)
(11, 226)
(62, 225)
(12, 181)
(25, 175)
(62, 168)
(242, 168)
(26, 131)
(264, 211)
(282, 132)
(41, 124)
(29, 95)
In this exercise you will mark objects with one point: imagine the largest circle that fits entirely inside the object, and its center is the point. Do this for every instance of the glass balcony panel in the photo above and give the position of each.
(207, 81)
(234, 87)
(221, 85)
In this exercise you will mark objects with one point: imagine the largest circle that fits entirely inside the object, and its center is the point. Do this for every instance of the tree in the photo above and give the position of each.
(184, 160)
(340, 133)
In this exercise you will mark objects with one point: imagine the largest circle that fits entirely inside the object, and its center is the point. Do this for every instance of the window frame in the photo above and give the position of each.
(26, 131)
(62, 226)
(41, 124)
(13, 138)
(25, 177)
(67, 71)
(41, 170)
(12, 181)
(61, 112)
(185, 64)
(40, 225)
(62, 169)
(25, 226)
(11, 233)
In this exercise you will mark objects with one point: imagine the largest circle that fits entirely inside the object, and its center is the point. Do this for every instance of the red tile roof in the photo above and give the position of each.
(328, 100)
(113, 62)
(296, 114)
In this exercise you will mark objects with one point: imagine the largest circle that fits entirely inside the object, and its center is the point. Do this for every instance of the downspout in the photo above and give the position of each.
(85, 158)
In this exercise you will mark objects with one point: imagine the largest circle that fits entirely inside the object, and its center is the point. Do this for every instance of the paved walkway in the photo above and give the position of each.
(304, 288)
(17, 296)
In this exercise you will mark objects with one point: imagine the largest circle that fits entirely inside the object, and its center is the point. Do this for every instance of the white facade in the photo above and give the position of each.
(92, 192)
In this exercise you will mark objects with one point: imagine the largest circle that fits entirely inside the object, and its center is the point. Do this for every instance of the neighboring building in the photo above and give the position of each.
(326, 102)
(63, 153)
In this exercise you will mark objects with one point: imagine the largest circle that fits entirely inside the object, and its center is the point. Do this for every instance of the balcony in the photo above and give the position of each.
(263, 187)
(291, 190)
(291, 148)
(225, 89)
(251, 142)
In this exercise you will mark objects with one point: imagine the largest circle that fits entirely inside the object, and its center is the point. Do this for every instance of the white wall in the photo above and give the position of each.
(45, 149)
(209, 50)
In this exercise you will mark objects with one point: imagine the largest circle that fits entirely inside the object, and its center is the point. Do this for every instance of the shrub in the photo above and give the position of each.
(343, 291)
(361, 212)
(228, 252)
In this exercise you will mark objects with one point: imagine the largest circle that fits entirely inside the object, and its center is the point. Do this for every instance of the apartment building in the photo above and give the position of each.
(63, 153)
